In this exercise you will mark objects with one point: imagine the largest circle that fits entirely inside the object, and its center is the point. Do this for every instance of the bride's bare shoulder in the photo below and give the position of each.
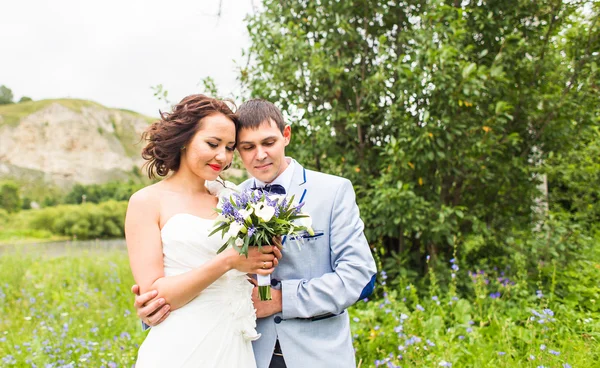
(148, 196)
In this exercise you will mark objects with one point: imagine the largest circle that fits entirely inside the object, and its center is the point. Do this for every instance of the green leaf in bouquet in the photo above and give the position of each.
(221, 227)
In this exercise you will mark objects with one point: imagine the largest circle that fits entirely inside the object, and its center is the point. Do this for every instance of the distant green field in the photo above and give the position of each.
(76, 311)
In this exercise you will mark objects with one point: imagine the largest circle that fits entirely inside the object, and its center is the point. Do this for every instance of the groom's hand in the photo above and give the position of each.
(150, 310)
(267, 307)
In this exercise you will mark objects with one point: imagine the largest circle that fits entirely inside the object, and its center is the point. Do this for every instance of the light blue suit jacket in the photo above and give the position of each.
(328, 274)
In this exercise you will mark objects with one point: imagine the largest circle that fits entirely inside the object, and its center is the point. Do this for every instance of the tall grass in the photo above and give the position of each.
(76, 311)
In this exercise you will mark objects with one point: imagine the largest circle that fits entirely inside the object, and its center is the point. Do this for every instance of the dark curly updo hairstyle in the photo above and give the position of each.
(168, 136)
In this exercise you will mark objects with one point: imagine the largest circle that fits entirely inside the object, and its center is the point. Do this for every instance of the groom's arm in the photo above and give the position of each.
(352, 262)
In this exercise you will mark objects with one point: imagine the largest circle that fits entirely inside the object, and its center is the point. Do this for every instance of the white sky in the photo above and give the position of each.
(113, 51)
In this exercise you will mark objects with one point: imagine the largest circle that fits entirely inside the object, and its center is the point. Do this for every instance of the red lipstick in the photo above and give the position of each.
(215, 167)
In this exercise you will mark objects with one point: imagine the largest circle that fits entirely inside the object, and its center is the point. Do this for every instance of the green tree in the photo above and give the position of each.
(9, 196)
(25, 99)
(441, 113)
(6, 95)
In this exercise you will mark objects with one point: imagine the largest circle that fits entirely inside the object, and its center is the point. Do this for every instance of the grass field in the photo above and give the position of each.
(76, 311)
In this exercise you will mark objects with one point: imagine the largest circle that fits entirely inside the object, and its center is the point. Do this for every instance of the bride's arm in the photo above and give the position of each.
(144, 246)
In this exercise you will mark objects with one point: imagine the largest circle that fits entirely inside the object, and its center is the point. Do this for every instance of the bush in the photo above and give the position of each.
(9, 196)
(86, 221)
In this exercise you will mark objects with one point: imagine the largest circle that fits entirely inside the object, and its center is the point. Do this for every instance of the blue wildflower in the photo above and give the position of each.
(539, 294)
(548, 312)
(554, 352)
(419, 307)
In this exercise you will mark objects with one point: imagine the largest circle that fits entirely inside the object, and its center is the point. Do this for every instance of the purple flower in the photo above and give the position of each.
(495, 295)
(298, 208)
(227, 208)
(542, 347)
(419, 307)
(554, 352)
(539, 294)
(501, 353)
(251, 231)
(548, 312)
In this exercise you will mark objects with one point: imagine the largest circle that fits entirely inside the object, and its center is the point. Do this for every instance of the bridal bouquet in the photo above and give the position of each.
(254, 218)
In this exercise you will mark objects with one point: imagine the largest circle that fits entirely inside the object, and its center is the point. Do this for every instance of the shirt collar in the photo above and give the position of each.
(284, 179)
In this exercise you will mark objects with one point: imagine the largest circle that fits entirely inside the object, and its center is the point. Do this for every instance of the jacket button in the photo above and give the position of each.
(278, 319)
(274, 282)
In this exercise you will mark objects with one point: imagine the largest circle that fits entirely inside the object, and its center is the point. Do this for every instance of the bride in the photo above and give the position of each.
(212, 320)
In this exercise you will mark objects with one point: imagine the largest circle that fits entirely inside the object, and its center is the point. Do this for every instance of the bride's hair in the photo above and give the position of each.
(168, 136)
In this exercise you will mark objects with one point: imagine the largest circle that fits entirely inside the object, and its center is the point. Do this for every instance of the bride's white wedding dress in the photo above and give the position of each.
(216, 328)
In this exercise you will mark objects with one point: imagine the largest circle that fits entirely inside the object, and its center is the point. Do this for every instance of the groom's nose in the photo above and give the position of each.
(261, 153)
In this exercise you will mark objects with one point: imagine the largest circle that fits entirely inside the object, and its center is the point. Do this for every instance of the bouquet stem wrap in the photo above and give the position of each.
(264, 287)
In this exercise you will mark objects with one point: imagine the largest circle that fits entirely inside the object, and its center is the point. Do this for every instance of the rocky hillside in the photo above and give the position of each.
(67, 141)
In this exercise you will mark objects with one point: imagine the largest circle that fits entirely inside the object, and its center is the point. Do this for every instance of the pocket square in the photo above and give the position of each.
(316, 234)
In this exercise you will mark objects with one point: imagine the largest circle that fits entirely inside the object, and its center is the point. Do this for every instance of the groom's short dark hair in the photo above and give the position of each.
(253, 113)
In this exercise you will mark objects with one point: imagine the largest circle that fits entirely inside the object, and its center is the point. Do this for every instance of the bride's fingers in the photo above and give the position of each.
(266, 249)
(277, 242)
(266, 257)
(265, 265)
(264, 272)
(277, 253)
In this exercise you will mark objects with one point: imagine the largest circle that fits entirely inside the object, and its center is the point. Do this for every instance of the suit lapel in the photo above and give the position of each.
(298, 187)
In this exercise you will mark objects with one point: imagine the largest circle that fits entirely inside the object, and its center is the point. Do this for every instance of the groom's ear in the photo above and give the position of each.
(287, 134)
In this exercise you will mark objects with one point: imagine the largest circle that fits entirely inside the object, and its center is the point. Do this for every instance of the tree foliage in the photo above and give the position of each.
(10, 200)
(6, 95)
(441, 113)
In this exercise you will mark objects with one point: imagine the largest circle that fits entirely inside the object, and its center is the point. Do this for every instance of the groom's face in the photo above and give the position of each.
(263, 150)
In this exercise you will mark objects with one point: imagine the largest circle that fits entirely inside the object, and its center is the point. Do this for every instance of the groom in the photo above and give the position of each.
(306, 323)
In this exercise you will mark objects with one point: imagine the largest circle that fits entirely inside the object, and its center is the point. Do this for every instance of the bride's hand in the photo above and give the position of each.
(261, 262)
